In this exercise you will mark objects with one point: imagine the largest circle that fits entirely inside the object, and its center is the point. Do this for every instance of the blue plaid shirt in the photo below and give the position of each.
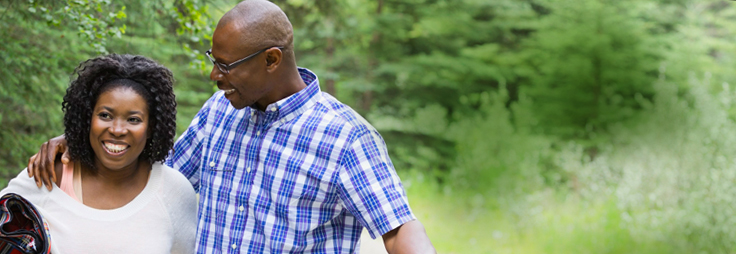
(306, 175)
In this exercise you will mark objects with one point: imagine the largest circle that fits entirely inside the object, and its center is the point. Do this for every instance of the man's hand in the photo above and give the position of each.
(41, 165)
(408, 238)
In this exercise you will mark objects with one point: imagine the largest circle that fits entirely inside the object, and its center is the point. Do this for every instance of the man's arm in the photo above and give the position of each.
(372, 192)
(187, 151)
(408, 238)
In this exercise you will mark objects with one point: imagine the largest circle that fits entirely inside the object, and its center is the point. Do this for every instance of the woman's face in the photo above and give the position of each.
(119, 128)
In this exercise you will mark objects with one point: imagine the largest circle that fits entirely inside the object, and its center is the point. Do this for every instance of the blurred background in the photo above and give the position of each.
(517, 126)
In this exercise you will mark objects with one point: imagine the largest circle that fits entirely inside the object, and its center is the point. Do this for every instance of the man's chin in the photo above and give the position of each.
(238, 105)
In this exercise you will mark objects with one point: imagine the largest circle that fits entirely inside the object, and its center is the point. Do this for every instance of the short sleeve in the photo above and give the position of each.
(370, 188)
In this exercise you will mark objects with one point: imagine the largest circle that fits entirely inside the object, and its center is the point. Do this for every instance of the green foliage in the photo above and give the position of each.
(679, 178)
(94, 20)
(508, 161)
(37, 72)
(33, 85)
(592, 59)
(546, 126)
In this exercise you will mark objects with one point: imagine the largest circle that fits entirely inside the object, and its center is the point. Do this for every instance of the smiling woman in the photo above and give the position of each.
(119, 118)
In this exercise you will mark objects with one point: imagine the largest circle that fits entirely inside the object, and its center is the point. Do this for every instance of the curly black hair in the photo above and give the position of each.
(150, 80)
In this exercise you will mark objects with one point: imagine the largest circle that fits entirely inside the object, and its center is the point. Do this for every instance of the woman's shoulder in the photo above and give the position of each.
(174, 184)
(26, 187)
(173, 177)
(177, 194)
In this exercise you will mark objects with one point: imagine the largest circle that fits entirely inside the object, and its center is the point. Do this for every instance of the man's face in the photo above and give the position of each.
(245, 84)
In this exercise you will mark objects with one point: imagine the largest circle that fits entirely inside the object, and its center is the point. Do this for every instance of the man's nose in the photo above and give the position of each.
(216, 74)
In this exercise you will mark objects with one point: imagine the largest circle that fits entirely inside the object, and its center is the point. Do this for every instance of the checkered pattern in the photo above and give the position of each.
(305, 175)
(22, 229)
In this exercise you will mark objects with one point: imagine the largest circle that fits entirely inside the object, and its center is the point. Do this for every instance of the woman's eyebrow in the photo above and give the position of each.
(129, 112)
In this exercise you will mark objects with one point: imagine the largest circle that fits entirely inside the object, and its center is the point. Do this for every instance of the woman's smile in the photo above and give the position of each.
(115, 149)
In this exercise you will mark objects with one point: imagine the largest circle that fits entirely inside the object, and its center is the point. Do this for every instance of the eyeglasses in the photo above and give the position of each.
(225, 68)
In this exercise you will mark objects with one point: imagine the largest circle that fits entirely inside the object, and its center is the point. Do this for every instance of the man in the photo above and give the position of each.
(279, 165)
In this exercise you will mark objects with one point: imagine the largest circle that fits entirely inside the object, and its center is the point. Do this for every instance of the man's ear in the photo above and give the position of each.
(273, 59)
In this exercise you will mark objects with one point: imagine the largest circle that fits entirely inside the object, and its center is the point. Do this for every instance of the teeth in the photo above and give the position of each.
(229, 91)
(115, 148)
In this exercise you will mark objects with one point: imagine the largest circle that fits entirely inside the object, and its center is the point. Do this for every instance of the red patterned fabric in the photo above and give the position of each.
(22, 229)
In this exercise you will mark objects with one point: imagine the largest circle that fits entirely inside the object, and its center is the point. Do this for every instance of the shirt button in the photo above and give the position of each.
(247, 170)
(258, 133)
(212, 163)
(234, 246)
(273, 109)
(241, 208)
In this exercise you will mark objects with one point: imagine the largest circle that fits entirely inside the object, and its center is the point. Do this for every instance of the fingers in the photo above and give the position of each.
(33, 170)
(61, 148)
(41, 165)
(43, 170)
(65, 157)
(44, 178)
(30, 166)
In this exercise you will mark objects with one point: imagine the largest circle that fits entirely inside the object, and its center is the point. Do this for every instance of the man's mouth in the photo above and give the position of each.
(229, 91)
(115, 149)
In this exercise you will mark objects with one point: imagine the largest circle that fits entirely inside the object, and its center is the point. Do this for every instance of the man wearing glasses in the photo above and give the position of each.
(279, 165)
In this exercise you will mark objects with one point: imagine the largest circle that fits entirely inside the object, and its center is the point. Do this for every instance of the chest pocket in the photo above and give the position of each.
(229, 145)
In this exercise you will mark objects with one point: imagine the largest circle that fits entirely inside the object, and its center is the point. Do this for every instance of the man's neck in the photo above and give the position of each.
(289, 84)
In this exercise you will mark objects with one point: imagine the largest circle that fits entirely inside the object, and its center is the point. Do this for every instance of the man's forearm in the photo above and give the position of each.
(408, 238)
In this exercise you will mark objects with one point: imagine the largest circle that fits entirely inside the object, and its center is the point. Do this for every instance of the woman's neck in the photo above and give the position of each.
(110, 189)
(131, 173)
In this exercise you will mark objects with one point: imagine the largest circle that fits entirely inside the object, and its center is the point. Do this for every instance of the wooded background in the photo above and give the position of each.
(517, 126)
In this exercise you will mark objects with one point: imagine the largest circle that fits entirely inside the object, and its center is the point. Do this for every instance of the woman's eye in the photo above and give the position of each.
(135, 120)
(104, 115)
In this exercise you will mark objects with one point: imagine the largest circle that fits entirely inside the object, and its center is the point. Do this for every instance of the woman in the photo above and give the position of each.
(116, 197)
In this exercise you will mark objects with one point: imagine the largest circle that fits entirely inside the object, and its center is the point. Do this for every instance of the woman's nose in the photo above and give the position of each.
(118, 128)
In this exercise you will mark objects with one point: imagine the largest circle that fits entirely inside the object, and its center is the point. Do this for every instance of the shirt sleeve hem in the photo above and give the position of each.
(393, 224)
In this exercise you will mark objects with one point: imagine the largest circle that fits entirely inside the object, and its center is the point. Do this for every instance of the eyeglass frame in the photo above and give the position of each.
(225, 68)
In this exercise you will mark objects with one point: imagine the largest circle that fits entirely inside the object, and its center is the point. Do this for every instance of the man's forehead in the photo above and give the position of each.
(228, 42)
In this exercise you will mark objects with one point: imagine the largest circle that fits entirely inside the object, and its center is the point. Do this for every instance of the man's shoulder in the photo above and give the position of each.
(342, 114)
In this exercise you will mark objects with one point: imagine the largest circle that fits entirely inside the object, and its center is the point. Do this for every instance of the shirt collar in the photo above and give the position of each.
(299, 101)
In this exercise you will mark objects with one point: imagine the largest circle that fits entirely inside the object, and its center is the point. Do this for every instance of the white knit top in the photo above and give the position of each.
(161, 219)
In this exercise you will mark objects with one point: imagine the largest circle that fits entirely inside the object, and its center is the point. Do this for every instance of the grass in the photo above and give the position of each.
(543, 223)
